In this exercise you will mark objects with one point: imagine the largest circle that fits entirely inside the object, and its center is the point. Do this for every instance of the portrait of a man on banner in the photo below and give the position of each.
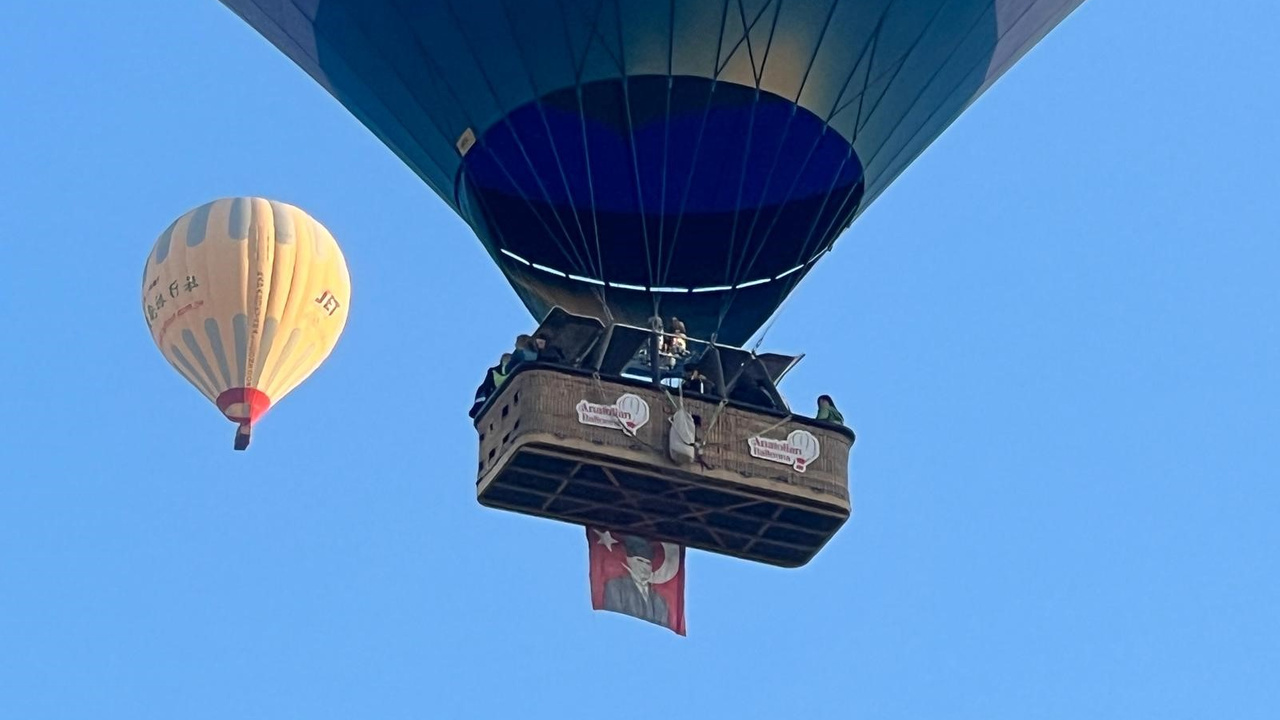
(639, 577)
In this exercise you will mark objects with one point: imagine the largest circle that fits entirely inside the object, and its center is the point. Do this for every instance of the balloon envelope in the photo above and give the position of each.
(627, 158)
(245, 297)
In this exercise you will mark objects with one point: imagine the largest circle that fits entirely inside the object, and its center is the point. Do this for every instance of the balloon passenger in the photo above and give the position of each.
(501, 371)
(677, 342)
(547, 352)
(525, 351)
(827, 411)
(696, 382)
(493, 380)
(676, 345)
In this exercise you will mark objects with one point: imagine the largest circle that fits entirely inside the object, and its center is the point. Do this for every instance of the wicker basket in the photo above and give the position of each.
(541, 455)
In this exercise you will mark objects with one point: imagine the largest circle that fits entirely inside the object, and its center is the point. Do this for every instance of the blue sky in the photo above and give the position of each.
(1060, 355)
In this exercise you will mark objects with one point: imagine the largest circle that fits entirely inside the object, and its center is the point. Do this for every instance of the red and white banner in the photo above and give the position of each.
(635, 576)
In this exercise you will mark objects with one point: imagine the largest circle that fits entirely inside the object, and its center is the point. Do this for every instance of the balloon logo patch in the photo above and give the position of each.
(798, 450)
(628, 414)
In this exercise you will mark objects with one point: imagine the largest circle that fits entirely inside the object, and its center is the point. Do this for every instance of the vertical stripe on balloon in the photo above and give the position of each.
(264, 345)
(283, 222)
(191, 380)
(319, 242)
(192, 376)
(162, 245)
(189, 338)
(219, 352)
(241, 218)
(297, 370)
(198, 228)
(240, 325)
(285, 352)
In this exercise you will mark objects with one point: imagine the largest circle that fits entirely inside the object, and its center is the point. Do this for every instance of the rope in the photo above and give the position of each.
(725, 400)
(629, 433)
(697, 146)
(674, 405)
(767, 430)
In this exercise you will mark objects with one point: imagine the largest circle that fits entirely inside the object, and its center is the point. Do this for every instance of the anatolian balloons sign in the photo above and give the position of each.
(798, 449)
(629, 413)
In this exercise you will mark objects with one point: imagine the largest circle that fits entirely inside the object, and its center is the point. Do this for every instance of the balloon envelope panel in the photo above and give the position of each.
(689, 158)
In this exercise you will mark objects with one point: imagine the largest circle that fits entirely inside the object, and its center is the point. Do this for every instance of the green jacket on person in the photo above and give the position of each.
(829, 413)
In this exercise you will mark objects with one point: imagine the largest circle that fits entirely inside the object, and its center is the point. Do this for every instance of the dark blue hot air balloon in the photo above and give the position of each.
(626, 158)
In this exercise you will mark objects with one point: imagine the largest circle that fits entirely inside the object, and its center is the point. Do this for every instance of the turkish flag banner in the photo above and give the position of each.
(638, 577)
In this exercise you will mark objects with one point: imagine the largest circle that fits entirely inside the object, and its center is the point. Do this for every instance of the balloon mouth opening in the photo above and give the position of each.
(243, 405)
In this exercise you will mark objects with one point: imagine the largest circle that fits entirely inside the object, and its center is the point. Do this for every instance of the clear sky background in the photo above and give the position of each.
(1056, 335)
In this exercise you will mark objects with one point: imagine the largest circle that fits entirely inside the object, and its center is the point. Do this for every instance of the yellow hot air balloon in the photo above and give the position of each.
(245, 297)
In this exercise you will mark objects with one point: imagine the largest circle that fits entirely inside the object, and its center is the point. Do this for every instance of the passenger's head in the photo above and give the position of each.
(825, 401)
(540, 342)
(523, 341)
(506, 358)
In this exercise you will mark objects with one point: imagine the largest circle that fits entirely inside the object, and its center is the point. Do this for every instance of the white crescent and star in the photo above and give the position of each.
(670, 564)
(670, 556)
